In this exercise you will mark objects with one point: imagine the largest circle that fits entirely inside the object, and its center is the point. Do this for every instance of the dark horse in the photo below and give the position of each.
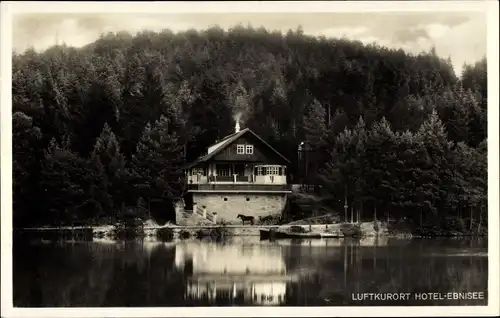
(246, 218)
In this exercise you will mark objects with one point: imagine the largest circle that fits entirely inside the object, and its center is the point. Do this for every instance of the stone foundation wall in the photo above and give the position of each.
(229, 205)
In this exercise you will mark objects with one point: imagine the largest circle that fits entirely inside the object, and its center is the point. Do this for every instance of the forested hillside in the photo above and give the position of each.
(110, 124)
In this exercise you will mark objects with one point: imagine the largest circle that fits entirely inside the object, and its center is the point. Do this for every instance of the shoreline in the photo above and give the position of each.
(109, 231)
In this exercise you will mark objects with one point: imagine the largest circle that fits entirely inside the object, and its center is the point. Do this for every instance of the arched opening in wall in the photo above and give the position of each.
(225, 199)
(248, 199)
(162, 211)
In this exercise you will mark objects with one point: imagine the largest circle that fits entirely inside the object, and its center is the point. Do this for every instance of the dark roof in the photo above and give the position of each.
(226, 141)
(227, 137)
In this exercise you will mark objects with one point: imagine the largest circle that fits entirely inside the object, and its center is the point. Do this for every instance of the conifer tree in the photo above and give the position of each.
(107, 153)
(98, 201)
(315, 124)
(438, 148)
(25, 151)
(475, 78)
(240, 102)
(380, 156)
(361, 168)
(415, 183)
(344, 173)
(283, 81)
(158, 161)
(60, 173)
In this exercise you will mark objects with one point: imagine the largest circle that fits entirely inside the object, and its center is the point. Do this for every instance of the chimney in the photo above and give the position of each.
(237, 127)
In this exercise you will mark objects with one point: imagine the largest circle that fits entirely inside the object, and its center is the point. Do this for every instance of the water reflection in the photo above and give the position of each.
(238, 273)
(244, 271)
(392, 266)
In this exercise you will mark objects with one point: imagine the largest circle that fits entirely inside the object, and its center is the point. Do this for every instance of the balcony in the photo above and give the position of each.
(246, 179)
(229, 179)
(221, 179)
(242, 178)
(239, 187)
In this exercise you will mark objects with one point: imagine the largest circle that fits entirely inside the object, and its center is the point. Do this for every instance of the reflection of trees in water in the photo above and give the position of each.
(59, 275)
(136, 274)
(402, 266)
(87, 274)
(146, 279)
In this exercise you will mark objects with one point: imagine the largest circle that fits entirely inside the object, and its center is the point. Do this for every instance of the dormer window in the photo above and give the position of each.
(249, 150)
(240, 149)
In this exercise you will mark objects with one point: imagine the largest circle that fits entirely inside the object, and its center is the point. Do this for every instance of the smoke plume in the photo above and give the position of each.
(237, 116)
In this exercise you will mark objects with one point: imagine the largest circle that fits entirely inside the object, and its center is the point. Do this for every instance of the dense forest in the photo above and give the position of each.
(110, 125)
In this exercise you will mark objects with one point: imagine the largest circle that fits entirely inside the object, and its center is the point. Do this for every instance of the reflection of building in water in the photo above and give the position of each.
(250, 291)
(269, 293)
(231, 259)
(247, 273)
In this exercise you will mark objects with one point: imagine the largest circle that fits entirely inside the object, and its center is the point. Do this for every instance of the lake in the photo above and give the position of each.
(244, 271)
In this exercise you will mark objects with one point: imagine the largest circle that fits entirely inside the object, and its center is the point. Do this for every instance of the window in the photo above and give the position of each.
(196, 171)
(225, 199)
(240, 149)
(259, 171)
(249, 150)
(272, 170)
(223, 170)
(248, 199)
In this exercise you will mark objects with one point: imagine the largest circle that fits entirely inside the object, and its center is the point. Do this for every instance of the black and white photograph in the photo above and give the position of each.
(302, 158)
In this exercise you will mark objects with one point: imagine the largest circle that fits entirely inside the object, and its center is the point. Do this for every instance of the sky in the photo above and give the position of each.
(458, 35)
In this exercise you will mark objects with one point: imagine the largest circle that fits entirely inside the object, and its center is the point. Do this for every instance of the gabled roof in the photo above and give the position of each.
(223, 141)
(226, 141)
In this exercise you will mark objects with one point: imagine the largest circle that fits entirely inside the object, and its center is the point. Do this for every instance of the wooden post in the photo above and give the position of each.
(149, 209)
(204, 209)
(307, 150)
(195, 207)
(215, 217)
(345, 204)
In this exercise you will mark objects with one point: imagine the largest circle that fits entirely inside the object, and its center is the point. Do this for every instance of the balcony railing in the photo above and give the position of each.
(242, 178)
(221, 179)
(224, 178)
(228, 179)
(239, 187)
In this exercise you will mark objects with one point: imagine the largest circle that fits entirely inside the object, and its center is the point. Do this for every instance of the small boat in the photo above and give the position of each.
(330, 235)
